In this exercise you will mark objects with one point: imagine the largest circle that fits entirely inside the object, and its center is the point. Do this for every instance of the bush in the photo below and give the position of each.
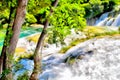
(30, 18)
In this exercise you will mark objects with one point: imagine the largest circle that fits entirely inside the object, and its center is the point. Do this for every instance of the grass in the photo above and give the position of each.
(91, 32)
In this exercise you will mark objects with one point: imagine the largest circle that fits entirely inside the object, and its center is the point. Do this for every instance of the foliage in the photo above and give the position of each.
(38, 9)
(4, 73)
(65, 18)
(68, 14)
(23, 77)
(17, 67)
(96, 7)
(30, 19)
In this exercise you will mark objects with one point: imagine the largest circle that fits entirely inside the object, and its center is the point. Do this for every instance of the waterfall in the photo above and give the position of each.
(106, 20)
(102, 18)
(111, 18)
(117, 21)
(103, 22)
(108, 23)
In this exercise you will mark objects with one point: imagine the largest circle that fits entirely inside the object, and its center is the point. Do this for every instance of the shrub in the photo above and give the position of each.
(30, 18)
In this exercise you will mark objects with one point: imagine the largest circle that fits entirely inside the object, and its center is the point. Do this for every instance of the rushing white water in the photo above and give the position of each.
(100, 61)
(108, 21)
(112, 16)
(102, 22)
(95, 59)
(117, 21)
(102, 64)
(102, 18)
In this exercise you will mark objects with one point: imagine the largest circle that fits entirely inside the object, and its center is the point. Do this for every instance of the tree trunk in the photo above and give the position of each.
(12, 38)
(4, 47)
(37, 55)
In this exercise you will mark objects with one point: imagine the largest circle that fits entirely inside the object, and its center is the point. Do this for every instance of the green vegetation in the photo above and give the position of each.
(24, 76)
(2, 36)
(91, 32)
(39, 9)
(68, 14)
(59, 17)
(21, 53)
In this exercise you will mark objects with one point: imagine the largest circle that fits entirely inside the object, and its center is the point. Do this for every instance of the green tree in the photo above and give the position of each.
(66, 16)
(11, 39)
(37, 55)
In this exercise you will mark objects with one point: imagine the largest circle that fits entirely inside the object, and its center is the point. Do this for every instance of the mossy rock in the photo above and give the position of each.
(34, 38)
(91, 29)
(21, 53)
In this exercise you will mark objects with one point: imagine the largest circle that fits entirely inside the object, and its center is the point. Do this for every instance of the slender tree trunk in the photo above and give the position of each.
(37, 55)
(12, 38)
(4, 47)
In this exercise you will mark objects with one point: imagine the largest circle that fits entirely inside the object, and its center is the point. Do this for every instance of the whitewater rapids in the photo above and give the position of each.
(100, 61)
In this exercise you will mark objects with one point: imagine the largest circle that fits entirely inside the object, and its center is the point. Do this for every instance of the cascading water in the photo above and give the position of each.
(108, 21)
(99, 62)
(117, 21)
(102, 22)
(111, 18)
(102, 19)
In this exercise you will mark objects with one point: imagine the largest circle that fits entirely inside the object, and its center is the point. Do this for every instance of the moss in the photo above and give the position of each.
(20, 53)
(64, 49)
(23, 55)
(33, 38)
(20, 49)
(25, 76)
(91, 31)
(73, 43)
(17, 67)
(71, 61)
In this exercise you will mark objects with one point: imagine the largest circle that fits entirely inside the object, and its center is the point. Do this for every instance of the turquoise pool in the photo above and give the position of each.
(24, 33)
